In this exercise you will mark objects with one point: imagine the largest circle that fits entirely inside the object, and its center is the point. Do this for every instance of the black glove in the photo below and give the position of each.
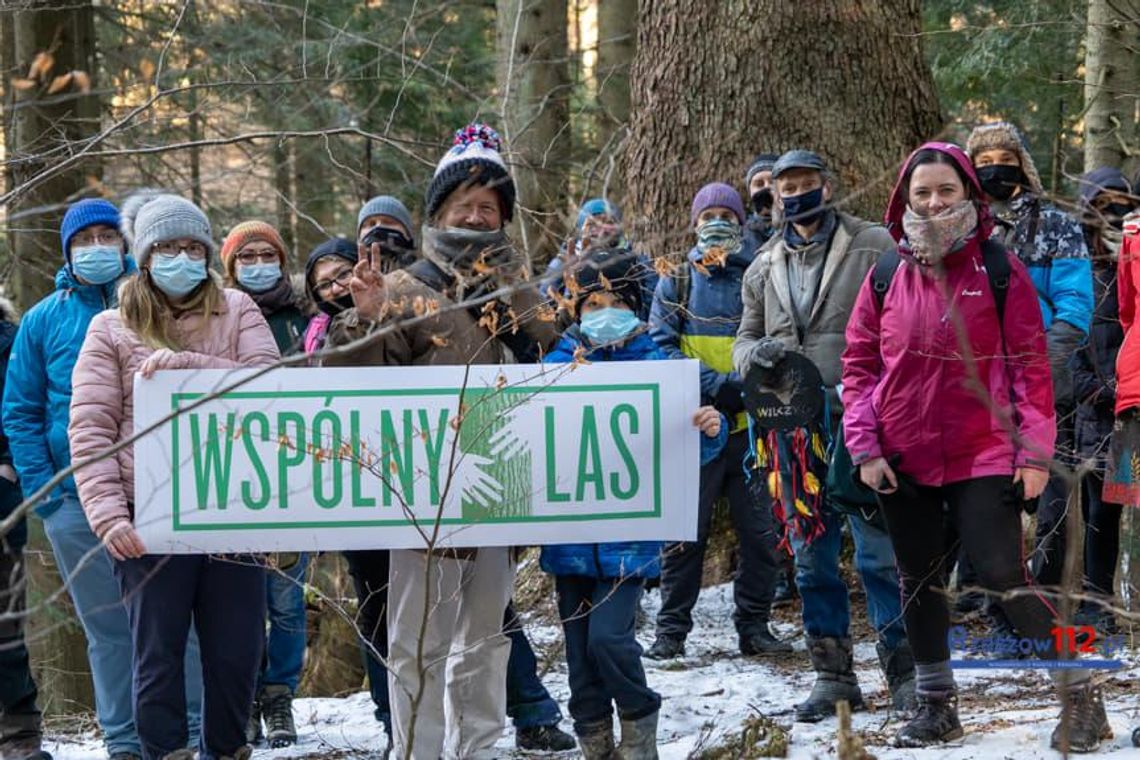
(729, 399)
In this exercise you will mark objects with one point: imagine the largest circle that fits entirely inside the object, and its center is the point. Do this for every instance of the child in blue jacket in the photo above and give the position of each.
(599, 585)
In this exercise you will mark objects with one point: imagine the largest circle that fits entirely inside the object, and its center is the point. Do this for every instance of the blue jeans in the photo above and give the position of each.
(285, 649)
(90, 579)
(602, 653)
(528, 702)
(825, 609)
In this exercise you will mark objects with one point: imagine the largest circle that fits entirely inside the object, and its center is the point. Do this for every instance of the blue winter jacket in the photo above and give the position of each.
(37, 391)
(704, 325)
(621, 559)
(1056, 257)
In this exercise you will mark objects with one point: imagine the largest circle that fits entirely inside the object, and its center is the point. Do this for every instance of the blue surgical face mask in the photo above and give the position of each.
(805, 208)
(258, 278)
(177, 276)
(609, 325)
(97, 264)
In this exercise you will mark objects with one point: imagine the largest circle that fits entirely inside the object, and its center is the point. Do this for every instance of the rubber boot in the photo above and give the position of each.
(596, 740)
(898, 667)
(834, 680)
(638, 739)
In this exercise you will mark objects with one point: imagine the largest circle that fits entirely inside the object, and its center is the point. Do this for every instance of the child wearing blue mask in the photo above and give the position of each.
(599, 585)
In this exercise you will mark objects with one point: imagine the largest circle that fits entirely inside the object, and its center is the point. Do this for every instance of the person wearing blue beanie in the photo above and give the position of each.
(36, 404)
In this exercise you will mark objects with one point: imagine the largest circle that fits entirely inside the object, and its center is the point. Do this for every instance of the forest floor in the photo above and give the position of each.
(713, 691)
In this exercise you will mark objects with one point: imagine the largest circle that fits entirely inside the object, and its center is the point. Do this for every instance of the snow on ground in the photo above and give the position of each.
(713, 689)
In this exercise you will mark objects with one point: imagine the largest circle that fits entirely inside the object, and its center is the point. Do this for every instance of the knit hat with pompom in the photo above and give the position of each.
(474, 158)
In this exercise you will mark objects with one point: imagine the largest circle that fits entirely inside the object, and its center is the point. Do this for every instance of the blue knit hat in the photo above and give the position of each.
(718, 194)
(597, 207)
(84, 214)
(388, 206)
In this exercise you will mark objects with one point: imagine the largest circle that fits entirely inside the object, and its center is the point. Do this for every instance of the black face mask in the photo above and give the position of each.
(337, 305)
(1000, 180)
(396, 249)
(1114, 213)
(762, 201)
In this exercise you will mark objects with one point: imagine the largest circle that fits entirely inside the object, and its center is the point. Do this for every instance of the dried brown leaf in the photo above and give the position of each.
(23, 85)
(439, 340)
(59, 83)
(146, 68)
(82, 81)
(41, 66)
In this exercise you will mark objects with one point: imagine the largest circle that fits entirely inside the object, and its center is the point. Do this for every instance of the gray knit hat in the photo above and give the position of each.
(150, 217)
(388, 206)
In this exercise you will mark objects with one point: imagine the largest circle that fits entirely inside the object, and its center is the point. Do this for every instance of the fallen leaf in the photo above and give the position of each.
(59, 83)
(439, 340)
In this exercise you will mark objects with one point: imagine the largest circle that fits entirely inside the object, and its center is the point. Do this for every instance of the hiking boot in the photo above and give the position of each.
(834, 680)
(898, 667)
(638, 739)
(179, 754)
(277, 710)
(1136, 737)
(666, 648)
(596, 740)
(253, 733)
(23, 748)
(1088, 724)
(967, 603)
(544, 739)
(125, 756)
(1001, 629)
(1101, 620)
(935, 721)
(762, 643)
(242, 753)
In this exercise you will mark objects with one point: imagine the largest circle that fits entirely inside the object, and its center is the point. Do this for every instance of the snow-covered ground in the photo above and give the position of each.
(713, 690)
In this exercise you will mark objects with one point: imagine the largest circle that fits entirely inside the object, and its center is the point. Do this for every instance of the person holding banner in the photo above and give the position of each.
(467, 301)
(173, 315)
(254, 261)
(599, 585)
(37, 399)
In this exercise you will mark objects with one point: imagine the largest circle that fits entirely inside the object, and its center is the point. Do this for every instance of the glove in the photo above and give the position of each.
(729, 399)
(767, 353)
(1064, 340)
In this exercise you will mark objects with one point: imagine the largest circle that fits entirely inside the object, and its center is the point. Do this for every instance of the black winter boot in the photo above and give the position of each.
(834, 681)
(1088, 724)
(277, 710)
(666, 648)
(544, 739)
(935, 721)
(23, 748)
(761, 642)
(253, 733)
(898, 667)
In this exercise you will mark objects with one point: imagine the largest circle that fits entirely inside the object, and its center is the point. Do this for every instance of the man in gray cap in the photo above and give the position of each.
(798, 295)
(758, 180)
(385, 221)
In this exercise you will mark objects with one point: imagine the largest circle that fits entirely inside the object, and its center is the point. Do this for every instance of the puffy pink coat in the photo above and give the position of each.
(102, 400)
(924, 379)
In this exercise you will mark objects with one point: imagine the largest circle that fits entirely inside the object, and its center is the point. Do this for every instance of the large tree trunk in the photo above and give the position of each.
(1112, 85)
(44, 128)
(535, 83)
(846, 79)
(617, 42)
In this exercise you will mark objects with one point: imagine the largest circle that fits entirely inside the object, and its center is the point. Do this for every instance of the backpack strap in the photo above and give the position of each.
(883, 273)
(998, 270)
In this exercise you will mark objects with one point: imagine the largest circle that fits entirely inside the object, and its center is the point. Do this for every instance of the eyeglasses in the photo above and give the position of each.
(263, 256)
(172, 248)
(110, 237)
(342, 278)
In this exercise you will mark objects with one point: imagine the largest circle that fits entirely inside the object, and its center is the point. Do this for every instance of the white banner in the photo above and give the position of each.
(406, 457)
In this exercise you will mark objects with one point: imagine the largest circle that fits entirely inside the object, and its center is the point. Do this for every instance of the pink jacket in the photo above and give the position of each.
(102, 401)
(316, 332)
(924, 379)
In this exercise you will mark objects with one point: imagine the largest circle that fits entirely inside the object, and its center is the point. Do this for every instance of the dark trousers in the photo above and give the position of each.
(225, 598)
(757, 567)
(602, 653)
(369, 571)
(1102, 536)
(19, 716)
(1048, 560)
(986, 518)
(528, 702)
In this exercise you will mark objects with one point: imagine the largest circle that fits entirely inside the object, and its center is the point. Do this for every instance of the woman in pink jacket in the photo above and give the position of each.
(945, 404)
(173, 315)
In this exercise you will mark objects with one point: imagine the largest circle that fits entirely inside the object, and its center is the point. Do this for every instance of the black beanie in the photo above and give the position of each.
(339, 247)
(619, 267)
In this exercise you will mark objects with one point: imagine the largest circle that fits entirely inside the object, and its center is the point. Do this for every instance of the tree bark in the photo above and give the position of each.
(44, 129)
(283, 184)
(848, 80)
(315, 198)
(617, 43)
(534, 81)
(1112, 85)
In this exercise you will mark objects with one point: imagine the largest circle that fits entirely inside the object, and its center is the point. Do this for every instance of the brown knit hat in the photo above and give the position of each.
(247, 232)
(1001, 135)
